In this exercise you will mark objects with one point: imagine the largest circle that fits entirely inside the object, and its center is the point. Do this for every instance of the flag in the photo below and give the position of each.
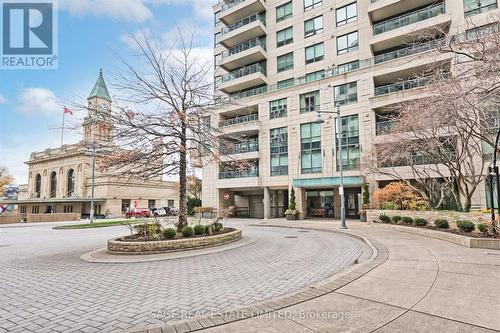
(68, 111)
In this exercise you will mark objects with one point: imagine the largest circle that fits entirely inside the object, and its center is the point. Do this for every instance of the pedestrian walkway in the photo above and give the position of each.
(414, 284)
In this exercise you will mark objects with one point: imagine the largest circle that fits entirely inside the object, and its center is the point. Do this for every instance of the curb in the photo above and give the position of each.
(380, 254)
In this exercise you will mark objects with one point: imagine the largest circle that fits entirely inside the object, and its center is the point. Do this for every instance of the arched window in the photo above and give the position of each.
(53, 184)
(38, 185)
(71, 182)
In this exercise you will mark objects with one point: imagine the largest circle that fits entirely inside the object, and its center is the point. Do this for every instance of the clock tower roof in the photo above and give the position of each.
(100, 90)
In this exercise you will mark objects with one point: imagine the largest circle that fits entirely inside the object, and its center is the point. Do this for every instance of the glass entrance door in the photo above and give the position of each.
(352, 202)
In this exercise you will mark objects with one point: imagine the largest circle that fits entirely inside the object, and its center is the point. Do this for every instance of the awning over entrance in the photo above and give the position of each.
(328, 181)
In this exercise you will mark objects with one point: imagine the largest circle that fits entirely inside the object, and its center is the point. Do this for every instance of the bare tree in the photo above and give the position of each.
(5, 179)
(441, 138)
(194, 186)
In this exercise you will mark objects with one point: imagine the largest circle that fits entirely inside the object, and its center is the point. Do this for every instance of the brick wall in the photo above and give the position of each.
(8, 219)
(53, 217)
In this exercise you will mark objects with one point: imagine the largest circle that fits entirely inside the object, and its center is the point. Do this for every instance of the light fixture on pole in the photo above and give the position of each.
(319, 120)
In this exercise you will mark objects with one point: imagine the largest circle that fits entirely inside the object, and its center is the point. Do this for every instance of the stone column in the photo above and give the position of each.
(276, 204)
(300, 201)
(267, 203)
(284, 202)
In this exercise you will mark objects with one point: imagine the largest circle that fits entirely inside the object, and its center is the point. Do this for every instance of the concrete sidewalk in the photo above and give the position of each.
(416, 284)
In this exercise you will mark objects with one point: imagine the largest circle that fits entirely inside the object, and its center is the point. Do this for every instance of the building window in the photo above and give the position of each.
(125, 206)
(350, 143)
(474, 7)
(310, 4)
(318, 75)
(217, 37)
(346, 14)
(71, 182)
(347, 43)
(284, 11)
(279, 151)
(151, 204)
(313, 26)
(278, 108)
(309, 102)
(22, 209)
(284, 37)
(53, 184)
(285, 62)
(68, 208)
(347, 67)
(217, 58)
(346, 93)
(170, 203)
(38, 185)
(310, 146)
(285, 83)
(35, 209)
(314, 53)
(216, 18)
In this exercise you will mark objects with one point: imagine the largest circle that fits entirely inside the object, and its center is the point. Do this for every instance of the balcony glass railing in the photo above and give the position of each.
(239, 120)
(409, 18)
(384, 127)
(245, 46)
(230, 4)
(252, 172)
(244, 21)
(408, 51)
(241, 148)
(399, 86)
(482, 9)
(252, 69)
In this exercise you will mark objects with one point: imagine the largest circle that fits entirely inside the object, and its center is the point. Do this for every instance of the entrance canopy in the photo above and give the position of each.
(328, 182)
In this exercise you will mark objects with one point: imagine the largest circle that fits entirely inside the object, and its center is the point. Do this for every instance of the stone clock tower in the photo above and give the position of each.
(97, 124)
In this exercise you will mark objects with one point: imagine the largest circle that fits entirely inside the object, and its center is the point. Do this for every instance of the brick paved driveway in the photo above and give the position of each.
(45, 287)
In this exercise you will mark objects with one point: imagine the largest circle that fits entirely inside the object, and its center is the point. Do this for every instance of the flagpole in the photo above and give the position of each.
(62, 130)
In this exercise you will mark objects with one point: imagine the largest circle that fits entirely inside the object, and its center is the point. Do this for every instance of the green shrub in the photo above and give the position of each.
(465, 226)
(441, 224)
(384, 218)
(187, 232)
(407, 220)
(388, 205)
(218, 227)
(483, 228)
(395, 219)
(199, 229)
(139, 229)
(420, 222)
(169, 233)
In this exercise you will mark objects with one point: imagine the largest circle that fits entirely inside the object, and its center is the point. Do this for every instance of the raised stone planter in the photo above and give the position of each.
(117, 246)
(480, 243)
(432, 215)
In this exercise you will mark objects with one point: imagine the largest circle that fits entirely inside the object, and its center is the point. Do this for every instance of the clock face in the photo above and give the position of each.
(104, 107)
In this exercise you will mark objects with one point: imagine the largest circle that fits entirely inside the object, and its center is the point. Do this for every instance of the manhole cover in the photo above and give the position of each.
(303, 230)
(291, 237)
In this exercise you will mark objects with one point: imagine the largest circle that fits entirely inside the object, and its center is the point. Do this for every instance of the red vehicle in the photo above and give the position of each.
(138, 213)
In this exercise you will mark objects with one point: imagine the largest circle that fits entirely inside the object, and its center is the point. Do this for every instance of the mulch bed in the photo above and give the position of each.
(450, 231)
(140, 238)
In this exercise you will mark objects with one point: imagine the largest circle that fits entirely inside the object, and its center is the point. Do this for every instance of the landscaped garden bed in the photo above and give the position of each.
(149, 238)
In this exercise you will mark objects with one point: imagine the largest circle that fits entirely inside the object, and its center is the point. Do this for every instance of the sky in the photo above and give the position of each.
(91, 35)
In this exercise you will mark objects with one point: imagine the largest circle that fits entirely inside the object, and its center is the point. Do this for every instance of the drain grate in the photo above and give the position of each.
(303, 230)
(291, 237)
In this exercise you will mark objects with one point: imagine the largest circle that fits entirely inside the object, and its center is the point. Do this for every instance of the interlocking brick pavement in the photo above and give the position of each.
(46, 287)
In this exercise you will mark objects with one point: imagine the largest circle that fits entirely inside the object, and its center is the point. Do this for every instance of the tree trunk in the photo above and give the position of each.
(182, 222)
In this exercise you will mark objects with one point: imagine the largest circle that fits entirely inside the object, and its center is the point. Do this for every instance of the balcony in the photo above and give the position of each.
(409, 18)
(384, 127)
(251, 51)
(243, 78)
(247, 28)
(235, 10)
(239, 120)
(399, 86)
(232, 174)
(407, 51)
(244, 147)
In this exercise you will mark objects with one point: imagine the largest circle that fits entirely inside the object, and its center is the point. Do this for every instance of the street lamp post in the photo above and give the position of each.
(494, 177)
(93, 183)
(341, 168)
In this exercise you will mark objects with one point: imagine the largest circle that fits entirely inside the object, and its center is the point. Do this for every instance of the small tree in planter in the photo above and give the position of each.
(365, 203)
(291, 213)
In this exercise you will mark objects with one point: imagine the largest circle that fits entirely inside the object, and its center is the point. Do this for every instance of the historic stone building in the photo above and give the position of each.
(60, 179)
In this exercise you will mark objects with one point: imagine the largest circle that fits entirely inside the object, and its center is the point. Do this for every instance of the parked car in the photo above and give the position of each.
(159, 212)
(173, 211)
(138, 213)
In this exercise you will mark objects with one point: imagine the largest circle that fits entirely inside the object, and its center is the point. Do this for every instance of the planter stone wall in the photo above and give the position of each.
(56, 217)
(8, 219)
(431, 216)
(116, 246)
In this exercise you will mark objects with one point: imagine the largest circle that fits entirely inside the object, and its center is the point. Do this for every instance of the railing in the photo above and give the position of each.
(481, 10)
(399, 86)
(408, 51)
(239, 120)
(252, 69)
(278, 113)
(281, 170)
(410, 18)
(244, 21)
(384, 127)
(230, 4)
(245, 46)
(241, 148)
(254, 172)
(349, 164)
(53, 194)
